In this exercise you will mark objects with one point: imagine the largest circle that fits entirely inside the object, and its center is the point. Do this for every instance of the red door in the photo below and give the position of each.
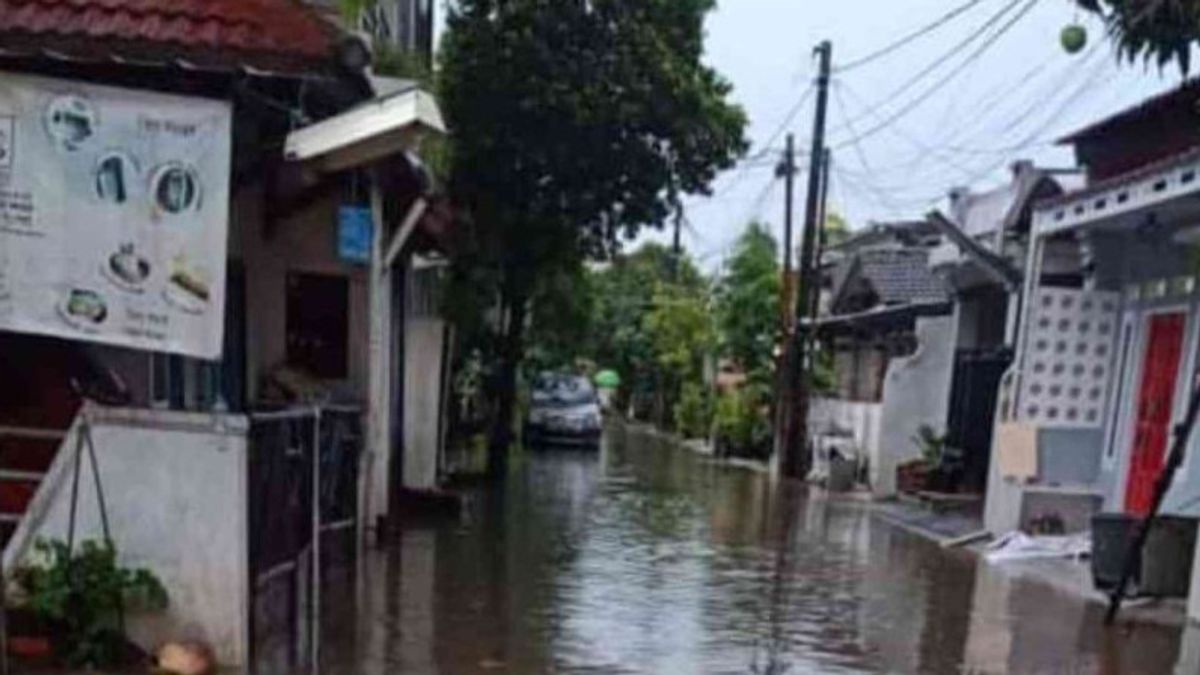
(1156, 401)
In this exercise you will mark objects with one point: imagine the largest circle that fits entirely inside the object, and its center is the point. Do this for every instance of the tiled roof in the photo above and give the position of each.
(901, 276)
(1150, 106)
(264, 34)
(894, 276)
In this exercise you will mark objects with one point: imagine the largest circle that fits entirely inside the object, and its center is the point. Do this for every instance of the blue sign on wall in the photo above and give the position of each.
(354, 234)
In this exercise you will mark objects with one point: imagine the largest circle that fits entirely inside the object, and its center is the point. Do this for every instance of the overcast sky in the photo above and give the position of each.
(1022, 91)
(999, 103)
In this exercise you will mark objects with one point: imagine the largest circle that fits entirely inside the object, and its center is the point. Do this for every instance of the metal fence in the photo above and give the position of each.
(303, 501)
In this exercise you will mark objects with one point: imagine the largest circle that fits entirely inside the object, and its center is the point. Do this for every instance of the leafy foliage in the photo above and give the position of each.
(626, 295)
(85, 594)
(836, 230)
(694, 412)
(1159, 31)
(680, 329)
(748, 303)
(742, 426)
(931, 443)
(560, 327)
(573, 125)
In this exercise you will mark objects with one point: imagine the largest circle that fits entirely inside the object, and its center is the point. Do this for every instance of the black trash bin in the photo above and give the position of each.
(1167, 560)
(1111, 536)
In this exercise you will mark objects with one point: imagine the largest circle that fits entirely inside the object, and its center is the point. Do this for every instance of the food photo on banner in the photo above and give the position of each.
(114, 211)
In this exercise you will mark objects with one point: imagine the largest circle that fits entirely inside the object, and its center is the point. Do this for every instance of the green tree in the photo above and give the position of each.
(573, 123)
(1160, 31)
(748, 302)
(625, 293)
(837, 230)
(561, 316)
(680, 329)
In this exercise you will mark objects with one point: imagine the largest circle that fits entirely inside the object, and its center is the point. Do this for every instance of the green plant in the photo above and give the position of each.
(741, 423)
(576, 125)
(931, 444)
(694, 412)
(82, 596)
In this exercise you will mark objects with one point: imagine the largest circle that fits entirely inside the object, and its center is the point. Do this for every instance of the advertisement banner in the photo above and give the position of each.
(114, 207)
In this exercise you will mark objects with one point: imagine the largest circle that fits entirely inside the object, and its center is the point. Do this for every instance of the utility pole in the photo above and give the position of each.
(787, 171)
(794, 458)
(822, 234)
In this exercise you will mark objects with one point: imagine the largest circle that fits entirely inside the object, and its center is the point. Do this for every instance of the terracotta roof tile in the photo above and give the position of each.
(257, 33)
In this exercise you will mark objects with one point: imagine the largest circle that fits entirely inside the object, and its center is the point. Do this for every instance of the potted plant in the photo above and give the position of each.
(920, 475)
(81, 596)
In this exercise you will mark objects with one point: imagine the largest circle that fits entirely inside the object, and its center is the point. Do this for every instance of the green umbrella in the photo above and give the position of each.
(607, 379)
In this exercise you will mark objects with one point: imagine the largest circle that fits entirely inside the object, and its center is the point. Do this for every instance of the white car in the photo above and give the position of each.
(564, 409)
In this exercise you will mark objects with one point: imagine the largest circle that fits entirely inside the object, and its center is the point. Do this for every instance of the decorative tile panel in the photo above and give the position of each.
(1068, 357)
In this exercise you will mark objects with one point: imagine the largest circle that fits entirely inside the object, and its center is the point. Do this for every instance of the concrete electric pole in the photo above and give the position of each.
(794, 459)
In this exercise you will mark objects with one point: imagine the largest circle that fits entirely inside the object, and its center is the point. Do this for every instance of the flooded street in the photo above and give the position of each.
(649, 559)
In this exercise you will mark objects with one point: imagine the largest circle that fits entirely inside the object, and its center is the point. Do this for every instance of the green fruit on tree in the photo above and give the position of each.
(1074, 38)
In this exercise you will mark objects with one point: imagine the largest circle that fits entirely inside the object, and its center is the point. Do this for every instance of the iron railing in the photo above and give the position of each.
(303, 487)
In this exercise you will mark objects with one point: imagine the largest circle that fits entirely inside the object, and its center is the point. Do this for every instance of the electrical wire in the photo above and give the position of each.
(858, 151)
(1074, 97)
(945, 80)
(943, 59)
(787, 120)
(908, 39)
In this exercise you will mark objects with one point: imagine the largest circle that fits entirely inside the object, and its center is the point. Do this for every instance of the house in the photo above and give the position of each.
(982, 260)
(218, 282)
(884, 309)
(1106, 353)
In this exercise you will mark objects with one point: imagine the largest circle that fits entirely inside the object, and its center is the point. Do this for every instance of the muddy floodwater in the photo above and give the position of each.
(649, 559)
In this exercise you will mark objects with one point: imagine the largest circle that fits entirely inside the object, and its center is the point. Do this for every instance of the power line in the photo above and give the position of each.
(945, 58)
(858, 151)
(1073, 97)
(924, 96)
(787, 120)
(907, 39)
(925, 148)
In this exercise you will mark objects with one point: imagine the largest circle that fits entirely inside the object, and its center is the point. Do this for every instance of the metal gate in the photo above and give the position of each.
(298, 459)
(973, 393)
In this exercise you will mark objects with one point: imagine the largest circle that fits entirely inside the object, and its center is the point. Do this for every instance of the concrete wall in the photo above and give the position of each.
(861, 420)
(175, 485)
(423, 342)
(305, 242)
(916, 392)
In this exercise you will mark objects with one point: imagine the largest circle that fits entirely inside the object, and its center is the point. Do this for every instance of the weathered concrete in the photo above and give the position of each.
(423, 341)
(915, 393)
(175, 486)
(860, 419)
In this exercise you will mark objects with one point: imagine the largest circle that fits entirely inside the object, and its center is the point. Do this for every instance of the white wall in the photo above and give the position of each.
(862, 420)
(423, 342)
(304, 242)
(175, 485)
(916, 392)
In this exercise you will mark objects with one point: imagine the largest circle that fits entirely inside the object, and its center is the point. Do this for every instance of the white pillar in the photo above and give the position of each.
(379, 370)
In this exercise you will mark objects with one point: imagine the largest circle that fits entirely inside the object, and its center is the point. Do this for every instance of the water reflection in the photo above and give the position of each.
(645, 559)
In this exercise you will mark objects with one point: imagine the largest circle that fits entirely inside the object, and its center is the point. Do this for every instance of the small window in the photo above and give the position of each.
(318, 323)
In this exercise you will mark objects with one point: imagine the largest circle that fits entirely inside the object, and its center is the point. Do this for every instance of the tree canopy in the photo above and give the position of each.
(1158, 31)
(748, 301)
(574, 124)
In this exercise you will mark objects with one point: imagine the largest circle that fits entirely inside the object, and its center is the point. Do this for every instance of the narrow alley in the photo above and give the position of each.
(647, 558)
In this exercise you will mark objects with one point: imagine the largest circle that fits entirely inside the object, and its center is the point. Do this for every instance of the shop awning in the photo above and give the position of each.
(368, 132)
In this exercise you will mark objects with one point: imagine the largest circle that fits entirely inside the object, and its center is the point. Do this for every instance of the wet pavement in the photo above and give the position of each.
(645, 558)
